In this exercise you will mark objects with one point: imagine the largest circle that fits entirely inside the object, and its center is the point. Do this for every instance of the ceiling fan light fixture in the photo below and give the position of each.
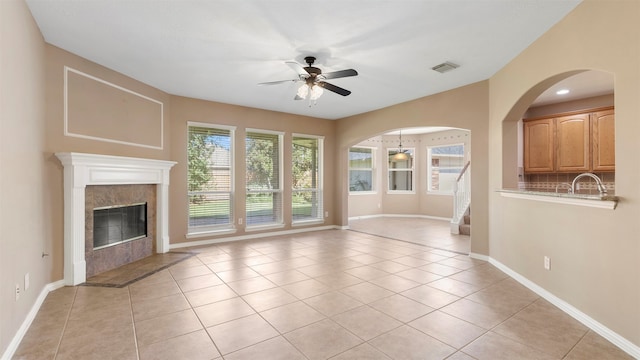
(313, 80)
(303, 91)
(316, 92)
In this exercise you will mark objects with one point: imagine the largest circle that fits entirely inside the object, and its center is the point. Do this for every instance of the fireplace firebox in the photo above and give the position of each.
(117, 224)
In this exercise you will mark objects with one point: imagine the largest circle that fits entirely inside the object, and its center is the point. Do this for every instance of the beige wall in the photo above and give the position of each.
(594, 253)
(184, 110)
(464, 108)
(23, 185)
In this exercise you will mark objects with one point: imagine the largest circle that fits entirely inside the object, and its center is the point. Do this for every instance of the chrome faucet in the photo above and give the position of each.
(601, 188)
(567, 185)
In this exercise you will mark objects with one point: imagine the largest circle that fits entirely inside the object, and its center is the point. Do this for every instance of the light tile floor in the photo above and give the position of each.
(430, 232)
(328, 294)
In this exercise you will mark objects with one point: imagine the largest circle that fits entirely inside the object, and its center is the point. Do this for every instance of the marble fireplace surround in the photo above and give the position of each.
(81, 170)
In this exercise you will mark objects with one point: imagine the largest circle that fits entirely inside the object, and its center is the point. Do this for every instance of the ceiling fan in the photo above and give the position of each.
(314, 80)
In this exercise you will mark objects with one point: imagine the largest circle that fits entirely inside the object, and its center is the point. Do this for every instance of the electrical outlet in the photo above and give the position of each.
(27, 281)
(17, 292)
(326, 214)
(239, 221)
(547, 263)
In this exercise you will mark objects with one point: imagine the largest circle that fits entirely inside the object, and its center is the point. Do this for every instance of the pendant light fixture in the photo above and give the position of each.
(400, 155)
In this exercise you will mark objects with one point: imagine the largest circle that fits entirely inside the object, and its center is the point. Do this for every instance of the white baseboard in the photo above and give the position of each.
(17, 338)
(251, 236)
(479, 256)
(613, 337)
(399, 215)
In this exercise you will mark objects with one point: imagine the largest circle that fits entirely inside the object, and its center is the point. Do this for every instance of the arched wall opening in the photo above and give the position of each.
(591, 90)
(466, 107)
(410, 198)
(420, 186)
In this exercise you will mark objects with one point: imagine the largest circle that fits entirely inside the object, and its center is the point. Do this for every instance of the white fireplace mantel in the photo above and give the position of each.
(81, 170)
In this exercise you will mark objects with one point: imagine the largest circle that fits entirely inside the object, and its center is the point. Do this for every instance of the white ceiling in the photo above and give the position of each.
(220, 50)
(580, 86)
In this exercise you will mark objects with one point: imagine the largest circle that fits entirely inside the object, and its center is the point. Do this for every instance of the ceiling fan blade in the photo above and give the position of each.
(335, 89)
(277, 82)
(297, 68)
(298, 98)
(340, 74)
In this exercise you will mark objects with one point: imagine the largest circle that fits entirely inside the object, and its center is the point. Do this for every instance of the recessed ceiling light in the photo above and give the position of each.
(562, 92)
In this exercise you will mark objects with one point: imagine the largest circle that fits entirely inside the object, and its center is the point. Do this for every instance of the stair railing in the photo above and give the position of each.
(461, 197)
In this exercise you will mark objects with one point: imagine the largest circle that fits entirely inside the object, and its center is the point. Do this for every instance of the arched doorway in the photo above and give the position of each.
(409, 199)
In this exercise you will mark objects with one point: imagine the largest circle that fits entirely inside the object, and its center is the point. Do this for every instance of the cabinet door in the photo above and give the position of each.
(603, 137)
(572, 142)
(538, 146)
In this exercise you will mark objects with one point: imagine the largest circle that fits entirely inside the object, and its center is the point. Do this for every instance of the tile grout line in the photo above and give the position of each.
(133, 324)
(194, 310)
(64, 327)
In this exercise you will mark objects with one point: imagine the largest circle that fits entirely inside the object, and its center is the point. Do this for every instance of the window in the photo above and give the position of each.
(263, 178)
(401, 171)
(361, 170)
(210, 177)
(306, 196)
(444, 164)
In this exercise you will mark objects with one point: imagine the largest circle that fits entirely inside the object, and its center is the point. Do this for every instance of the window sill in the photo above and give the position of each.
(400, 192)
(307, 222)
(603, 202)
(263, 227)
(209, 233)
(439, 193)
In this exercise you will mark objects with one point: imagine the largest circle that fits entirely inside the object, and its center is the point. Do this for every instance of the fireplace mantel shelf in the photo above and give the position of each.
(82, 169)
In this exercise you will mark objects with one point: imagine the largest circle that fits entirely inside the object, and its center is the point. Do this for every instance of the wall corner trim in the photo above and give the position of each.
(17, 338)
(624, 344)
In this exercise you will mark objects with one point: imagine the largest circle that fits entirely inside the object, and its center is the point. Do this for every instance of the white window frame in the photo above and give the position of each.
(319, 186)
(279, 222)
(429, 168)
(373, 168)
(197, 231)
(412, 169)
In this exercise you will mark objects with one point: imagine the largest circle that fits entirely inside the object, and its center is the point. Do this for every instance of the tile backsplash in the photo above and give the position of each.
(549, 182)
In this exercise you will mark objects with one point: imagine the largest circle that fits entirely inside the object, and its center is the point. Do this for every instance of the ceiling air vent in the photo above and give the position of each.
(444, 67)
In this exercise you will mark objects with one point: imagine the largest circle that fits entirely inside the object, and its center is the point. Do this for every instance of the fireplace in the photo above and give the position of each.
(95, 181)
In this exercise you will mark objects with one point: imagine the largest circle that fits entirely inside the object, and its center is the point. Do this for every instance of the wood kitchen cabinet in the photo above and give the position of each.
(539, 146)
(570, 143)
(603, 141)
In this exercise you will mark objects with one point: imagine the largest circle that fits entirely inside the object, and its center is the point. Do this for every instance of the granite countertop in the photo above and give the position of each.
(566, 195)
